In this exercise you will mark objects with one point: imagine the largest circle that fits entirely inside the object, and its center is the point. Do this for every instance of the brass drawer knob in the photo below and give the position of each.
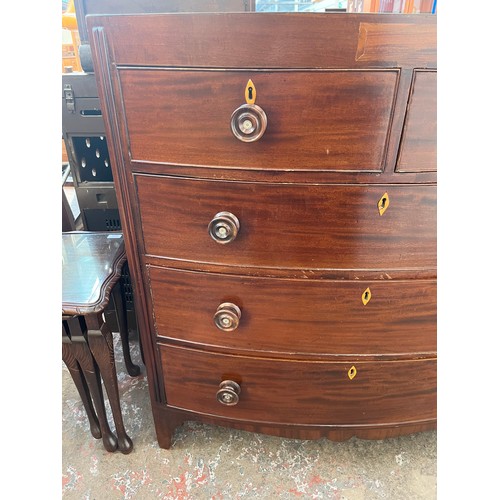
(224, 227)
(248, 122)
(228, 393)
(227, 317)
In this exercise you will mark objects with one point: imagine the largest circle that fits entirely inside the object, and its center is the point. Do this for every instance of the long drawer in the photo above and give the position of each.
(302, 392)
(322, 226)
(295, 316)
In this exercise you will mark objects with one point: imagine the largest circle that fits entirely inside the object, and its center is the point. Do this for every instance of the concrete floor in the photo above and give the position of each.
(209, 462)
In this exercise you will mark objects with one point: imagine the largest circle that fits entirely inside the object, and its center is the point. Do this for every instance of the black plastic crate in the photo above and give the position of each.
(92, 161)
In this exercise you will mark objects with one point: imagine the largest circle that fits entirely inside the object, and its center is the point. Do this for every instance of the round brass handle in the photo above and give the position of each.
(227, 317)
(228, 393)
(248, 122)
(224, 227)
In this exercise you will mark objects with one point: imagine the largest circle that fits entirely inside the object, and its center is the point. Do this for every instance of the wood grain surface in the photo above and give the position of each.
(183, 117)
(302, 392)
(297, 317)
(168, 418)
(290, 226)
(418, 152)
(267, 40)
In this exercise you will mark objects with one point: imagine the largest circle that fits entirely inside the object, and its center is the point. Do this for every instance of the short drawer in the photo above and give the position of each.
(321, 226)
(418, 150)
(301, 392)
(295, 316)
(316, 120)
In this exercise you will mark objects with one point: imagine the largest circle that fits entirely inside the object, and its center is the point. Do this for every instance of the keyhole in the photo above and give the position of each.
(250, 93)
(365, 296)
(383, 203)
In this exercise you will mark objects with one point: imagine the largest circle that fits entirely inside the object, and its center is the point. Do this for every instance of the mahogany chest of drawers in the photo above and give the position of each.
(276, 177)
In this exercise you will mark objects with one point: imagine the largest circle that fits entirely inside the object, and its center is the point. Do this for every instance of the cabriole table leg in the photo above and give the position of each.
(100, 341)
(80, 383)
(83, 355)
(121, 316)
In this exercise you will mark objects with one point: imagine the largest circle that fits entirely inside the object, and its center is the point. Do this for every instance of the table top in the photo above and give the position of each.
(91, 265)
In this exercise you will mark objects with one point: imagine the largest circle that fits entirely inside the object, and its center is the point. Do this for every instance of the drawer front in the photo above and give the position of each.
(290, 226)
(316, 120)
(296, 316)
(302, 392)
(418, 152)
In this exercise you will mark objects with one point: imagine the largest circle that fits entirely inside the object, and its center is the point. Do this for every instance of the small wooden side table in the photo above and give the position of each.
(91, 266)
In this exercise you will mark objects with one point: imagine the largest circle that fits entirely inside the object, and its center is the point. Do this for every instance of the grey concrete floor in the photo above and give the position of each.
(210, 462)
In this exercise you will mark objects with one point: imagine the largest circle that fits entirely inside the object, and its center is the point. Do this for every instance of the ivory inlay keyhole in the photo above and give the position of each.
(383, 203)
(250, 93)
